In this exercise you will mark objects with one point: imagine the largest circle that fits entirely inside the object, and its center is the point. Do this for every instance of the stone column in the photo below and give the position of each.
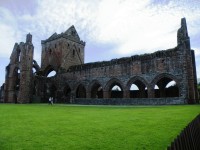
(88, 94)
(151, 92)
(106, 94)
(126, 94)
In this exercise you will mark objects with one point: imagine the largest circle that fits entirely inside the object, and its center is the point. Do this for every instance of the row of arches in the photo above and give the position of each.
(136, 89)
(164, 86)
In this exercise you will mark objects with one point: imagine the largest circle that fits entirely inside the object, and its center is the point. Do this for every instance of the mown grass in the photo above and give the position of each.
(45, 127)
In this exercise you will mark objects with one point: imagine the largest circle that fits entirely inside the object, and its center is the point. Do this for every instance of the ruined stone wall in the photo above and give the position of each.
(128, 101)
(18, 79)
(74, 80)
(26, 73)
(12, 76)
(148, 69)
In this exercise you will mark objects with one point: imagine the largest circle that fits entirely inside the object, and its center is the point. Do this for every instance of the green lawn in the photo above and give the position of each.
(46, 127)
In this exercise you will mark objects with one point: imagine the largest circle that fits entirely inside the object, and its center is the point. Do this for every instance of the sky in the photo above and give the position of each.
(110, 28)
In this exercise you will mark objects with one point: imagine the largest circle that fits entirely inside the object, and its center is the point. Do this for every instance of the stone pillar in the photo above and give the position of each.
(88, 94)
(151, 92)
(26, 62)
(106, 94)
(126, 94)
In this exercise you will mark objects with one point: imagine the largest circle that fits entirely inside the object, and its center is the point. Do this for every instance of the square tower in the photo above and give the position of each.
(60, 51)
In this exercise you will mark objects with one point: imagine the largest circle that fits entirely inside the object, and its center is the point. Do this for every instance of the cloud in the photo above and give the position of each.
(112, 28)
(143, 27)
(133, 26)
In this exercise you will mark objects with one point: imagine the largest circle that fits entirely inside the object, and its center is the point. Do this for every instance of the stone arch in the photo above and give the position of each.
(81, 91)
(141, 84)
(96, 89)
(114, 94)
(161, 81)
(48, 69)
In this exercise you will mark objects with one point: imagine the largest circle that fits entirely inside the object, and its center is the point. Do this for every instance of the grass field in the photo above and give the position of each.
(69, 127)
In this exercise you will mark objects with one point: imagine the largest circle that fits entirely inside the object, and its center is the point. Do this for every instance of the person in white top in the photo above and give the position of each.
(51, 100)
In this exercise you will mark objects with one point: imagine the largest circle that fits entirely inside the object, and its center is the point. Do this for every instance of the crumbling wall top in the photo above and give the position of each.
(123, 60)
(70, 34)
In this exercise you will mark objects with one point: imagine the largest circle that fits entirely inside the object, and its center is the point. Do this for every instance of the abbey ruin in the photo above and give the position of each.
(77, 82)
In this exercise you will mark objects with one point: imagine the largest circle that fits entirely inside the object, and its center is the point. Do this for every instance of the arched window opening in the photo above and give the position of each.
(16, 85)
(116, 91)
(116, 88)
(67, 94)
(170, 84)
(17, 80)
(49, 71)
(156, 87)
(138, 90)
(97, 91)
(81, 92)
(156, 91)
(172, 89)
(134, 87)
(51, 74)
(134, 91)
(166, 88)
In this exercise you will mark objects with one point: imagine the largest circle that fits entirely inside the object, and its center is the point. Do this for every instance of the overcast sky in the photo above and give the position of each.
(110, 28)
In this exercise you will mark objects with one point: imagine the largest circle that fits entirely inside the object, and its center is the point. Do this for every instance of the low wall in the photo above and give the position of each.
(130, 101)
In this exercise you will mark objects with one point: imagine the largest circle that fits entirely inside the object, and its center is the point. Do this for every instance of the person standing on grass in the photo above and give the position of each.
(50, 100)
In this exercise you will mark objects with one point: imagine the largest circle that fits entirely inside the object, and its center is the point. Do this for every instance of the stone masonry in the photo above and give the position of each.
(18, 83)
(94, 83)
